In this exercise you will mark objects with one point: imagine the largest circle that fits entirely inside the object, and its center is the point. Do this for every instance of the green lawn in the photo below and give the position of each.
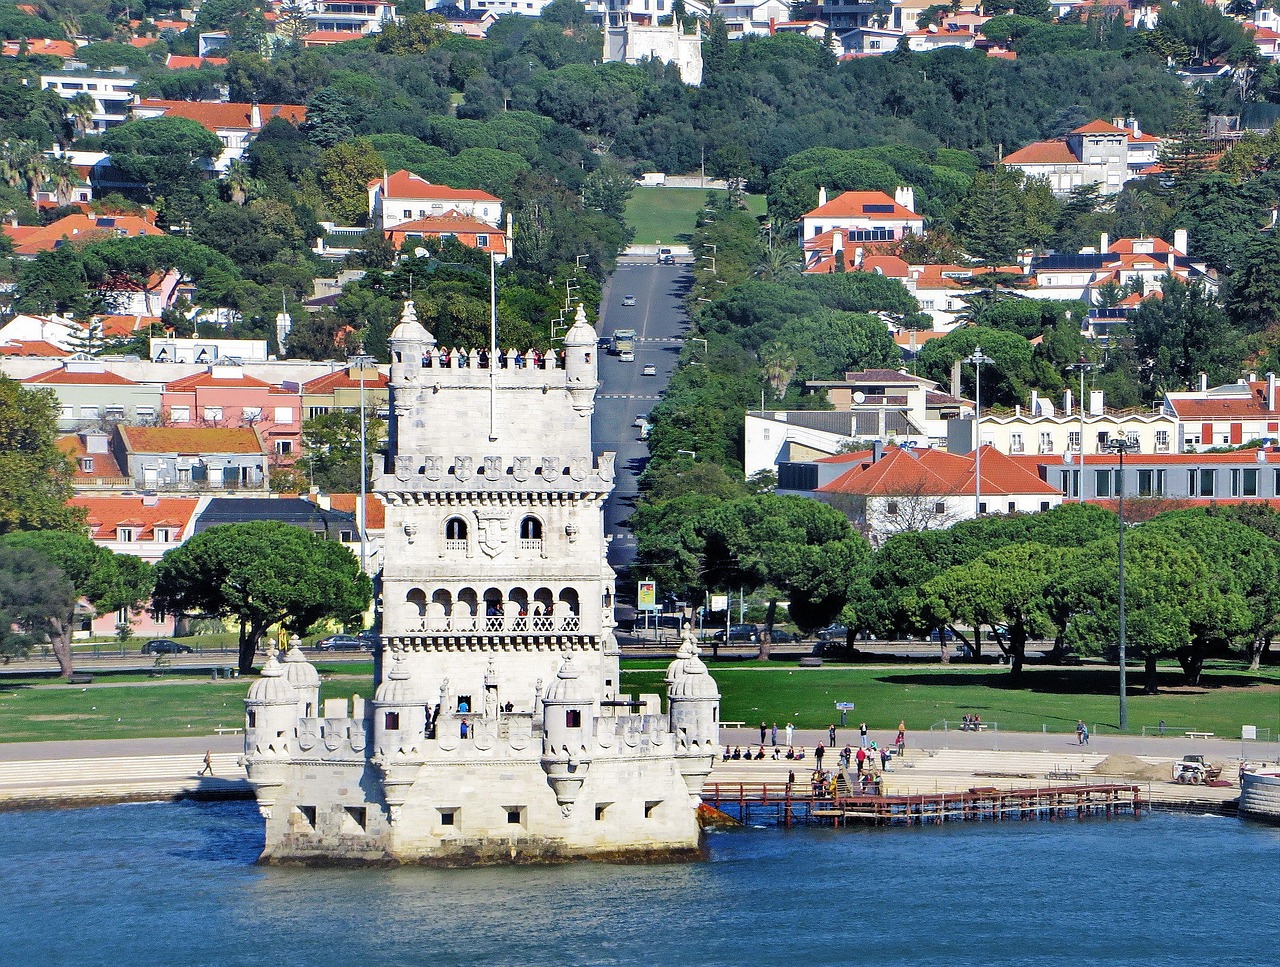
(670, 214)
(133, 706)
(127, 707)
(1052, 697)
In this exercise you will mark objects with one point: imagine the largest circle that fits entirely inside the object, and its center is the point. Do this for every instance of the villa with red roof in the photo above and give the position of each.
(469, 231)
(30, 240)
(1227, 415)
(185, 459)
(888, 490)
(863, 216)
(223, 396)
(1126, 262)
(1106, 154)
(235, 124)
(145, 526)
(403, 197)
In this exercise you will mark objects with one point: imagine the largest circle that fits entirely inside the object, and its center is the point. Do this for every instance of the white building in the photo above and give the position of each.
(1098, 153)
(498, 730)
(862, 216)
(403, 197)
(205, 352)
(111, 90)
(631, 39)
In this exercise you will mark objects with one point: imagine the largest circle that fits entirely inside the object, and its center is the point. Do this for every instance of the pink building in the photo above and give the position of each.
(224, 396)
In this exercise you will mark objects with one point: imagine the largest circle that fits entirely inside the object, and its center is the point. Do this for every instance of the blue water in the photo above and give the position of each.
(176, 884)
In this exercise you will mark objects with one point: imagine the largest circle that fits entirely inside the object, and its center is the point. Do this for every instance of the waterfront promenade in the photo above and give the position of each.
(71, 773)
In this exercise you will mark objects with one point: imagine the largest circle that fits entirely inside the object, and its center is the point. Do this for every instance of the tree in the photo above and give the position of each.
(262, 573)
(1183, 334)
(34, 596)
(143, 261)
(332, 444)
(35, 475)
(345, 171)
(109, 582)
(161, 153)
(797, 548)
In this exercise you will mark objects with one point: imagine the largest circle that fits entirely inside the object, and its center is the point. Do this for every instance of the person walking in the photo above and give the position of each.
(862, 759)
(1084, 735)
(791, 735)
(901, 741)
(773, 735)
(208, 765)
(831, 735)
(764, 729)
(862, 734)
(1079, 731)
(817, 754)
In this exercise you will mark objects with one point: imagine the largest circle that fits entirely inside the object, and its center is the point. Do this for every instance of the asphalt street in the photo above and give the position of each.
(660, 322)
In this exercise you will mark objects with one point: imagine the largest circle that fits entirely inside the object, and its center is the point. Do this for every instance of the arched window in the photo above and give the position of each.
(531, 529)
(455, 529)
(417, 599)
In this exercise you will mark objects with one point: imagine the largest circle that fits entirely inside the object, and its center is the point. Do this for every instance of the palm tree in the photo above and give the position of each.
(779, 366)
(64, 177)
(237, 182)
(11, 164)
(35, 168)
(81, 110)
(779, 261)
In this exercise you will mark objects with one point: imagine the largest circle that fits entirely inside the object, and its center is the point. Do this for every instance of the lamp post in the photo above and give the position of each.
(362, 360)
(977, 358)
(1082, 366)
(1122, 445)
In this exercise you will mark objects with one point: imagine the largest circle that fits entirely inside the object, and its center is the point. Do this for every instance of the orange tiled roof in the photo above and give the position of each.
(40, 45)
(31, 347)
(229, 116)
(144, 514)
(77, 228)
(375, 512)
(1125, 246)
(62, 377)
(938, 473)
(342, 379)
(1099, 127)
(1043, 153)
(405, 184)
(104, 464)
(855, 204)
(184, 62)
(207, 378)
(321, 38)
(464, 227)
(195, 439)
(126, 325)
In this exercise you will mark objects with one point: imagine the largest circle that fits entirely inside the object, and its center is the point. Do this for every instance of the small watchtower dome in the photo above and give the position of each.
(304, 678)
(580, 364)
(410, 341)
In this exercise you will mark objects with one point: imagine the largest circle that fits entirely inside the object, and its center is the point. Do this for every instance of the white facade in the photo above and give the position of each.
(206, 351)
(1043, 428)
(630, 42)
(403, 197)
(111, 90)
(498, 731)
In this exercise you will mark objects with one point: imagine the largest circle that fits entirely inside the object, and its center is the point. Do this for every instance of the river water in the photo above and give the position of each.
(176, 884)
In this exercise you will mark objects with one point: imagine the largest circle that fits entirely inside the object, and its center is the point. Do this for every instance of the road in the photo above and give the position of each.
(660, 322)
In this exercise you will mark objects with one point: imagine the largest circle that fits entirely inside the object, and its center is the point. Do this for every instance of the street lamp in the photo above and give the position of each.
(977, 358)
(1122, 445)
(362, 360)
(1082, 366)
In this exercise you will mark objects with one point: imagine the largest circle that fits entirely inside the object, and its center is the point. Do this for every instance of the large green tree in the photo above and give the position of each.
(35, 475)
(261, 574)
(109, 582)
(34, 596)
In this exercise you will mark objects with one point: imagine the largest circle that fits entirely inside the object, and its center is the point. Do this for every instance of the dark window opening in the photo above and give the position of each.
(573, 718)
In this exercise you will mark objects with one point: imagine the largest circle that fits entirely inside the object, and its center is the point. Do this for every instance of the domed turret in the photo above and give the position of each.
(301, 674)
(567, 728)
(580, 364)
(688, 649)
(410, 341)
(693, 702)
(271, 712)
(399, 713)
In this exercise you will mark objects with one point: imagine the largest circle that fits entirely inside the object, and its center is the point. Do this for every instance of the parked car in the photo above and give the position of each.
(341, 643)
(642, 419)
(628, 300)
(649, 370)
(739, 633)
(833, 633)
(166, 646)
(369, 639)
(781, 636)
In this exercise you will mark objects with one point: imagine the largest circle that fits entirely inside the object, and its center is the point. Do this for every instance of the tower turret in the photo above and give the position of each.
(304, 678)
(410, 341)
(399, 729)
(270, 720)
(693, 704)
(567, 728)
(580, 363)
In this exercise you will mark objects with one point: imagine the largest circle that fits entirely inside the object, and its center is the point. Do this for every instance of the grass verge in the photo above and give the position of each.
(670, 214)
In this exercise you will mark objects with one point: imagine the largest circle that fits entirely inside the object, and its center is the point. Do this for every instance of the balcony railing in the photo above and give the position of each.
(498, 624)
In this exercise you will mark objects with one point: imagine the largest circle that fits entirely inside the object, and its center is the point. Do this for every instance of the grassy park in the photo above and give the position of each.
(670, 214)
(133, 705)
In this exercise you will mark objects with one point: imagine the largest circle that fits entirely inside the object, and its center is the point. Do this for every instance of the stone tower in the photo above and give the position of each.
(499, 731)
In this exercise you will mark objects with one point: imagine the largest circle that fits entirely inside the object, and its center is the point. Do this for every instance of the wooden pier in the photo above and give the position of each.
(786, 805)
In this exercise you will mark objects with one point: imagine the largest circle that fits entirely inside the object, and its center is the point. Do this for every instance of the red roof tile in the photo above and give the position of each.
(229, 116)
(77, 228)
(32, 347)
(937, 473)
(64, 377)
(855, 204)
(1043, 153)
(209, 379)
(1099, 127)
(105, 514)
(342, 379)
(194, 440)
(405, 184)
(104, 464)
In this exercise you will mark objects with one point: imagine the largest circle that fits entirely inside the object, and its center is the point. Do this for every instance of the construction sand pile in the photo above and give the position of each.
(1131, 767)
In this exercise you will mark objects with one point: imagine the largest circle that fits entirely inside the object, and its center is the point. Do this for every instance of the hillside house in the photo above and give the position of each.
(863, 216)
(403, 197)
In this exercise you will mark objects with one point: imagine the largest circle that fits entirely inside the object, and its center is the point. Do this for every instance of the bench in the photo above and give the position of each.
(223, 730)
(1199, 735)
(733, 725)
(811, 661)
(79, 678)
(1062, 774)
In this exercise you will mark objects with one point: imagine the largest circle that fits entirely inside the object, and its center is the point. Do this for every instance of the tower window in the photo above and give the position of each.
(455, 529)
(531, 529)
(392, 720)
(449, 817)
(573, 718)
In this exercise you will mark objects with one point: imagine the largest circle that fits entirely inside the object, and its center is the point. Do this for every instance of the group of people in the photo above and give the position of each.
(748, 755)
(971, 723)
(1082, 732)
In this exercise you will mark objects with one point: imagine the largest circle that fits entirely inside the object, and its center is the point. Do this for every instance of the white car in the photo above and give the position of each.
(642, 419)
(628, 300)
(649, 371)
(627, 356)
